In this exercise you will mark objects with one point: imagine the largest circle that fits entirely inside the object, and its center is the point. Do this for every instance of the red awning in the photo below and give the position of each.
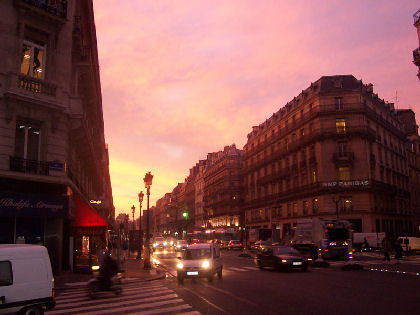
(86, 216)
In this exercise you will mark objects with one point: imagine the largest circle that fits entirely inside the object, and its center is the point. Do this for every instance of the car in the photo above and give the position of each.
(26, 279)
(160, 242)
(181, 245)
(281, 258)
(200, 261)
(260, 244)
(234, 244)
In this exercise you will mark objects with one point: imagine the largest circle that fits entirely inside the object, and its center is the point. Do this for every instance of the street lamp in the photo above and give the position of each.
(141, 195)
(147, 182)
(133, 209)
(336, 201)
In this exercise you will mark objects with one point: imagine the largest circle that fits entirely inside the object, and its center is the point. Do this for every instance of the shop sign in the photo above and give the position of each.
(33, 205)
(352, 183)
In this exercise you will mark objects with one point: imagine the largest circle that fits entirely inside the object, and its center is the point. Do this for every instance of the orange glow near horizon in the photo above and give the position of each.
(181, 79)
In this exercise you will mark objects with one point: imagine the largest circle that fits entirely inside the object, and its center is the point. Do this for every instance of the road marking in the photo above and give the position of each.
(207, 301)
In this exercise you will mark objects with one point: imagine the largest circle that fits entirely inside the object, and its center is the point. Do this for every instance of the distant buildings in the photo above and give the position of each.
(336, 149)
(55, 187)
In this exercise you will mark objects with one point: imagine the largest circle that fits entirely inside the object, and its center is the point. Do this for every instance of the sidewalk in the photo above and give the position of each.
(133, 271)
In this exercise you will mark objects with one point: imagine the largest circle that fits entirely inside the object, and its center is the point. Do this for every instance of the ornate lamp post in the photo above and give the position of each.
(133, 209)
(141, 195)
(147, 182)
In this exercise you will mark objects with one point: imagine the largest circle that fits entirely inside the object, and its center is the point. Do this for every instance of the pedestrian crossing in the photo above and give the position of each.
(137, 298)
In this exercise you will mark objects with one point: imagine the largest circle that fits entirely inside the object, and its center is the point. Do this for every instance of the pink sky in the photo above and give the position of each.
(184, 78)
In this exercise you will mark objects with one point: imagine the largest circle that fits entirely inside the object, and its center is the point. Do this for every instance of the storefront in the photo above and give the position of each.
(89, 231)
(40, 219)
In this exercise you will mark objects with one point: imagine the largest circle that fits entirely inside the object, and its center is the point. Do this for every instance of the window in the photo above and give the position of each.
(33, 60)
(305, 207)
(302, 132)
(340, 125)
(338, 103)
(6, 276)
(289, 210)
(315, 206)
(295, 211)
(313, 177)
(344, 173)
(346, 206)
(27, 142)
(342, 147)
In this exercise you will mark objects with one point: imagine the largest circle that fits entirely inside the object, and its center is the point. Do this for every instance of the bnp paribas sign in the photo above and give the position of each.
(344, 184)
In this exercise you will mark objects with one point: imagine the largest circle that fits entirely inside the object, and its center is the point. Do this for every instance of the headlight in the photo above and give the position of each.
(165, 243)
(178, 246)
(172, 242)
(155, 244)
(180, 265)
(284, 261)
(155, 261)
(345, 243)
(205, 264)
(333, 243)
(95, 267)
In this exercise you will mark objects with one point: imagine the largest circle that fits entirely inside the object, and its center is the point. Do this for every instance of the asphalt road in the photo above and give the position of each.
(245, 289)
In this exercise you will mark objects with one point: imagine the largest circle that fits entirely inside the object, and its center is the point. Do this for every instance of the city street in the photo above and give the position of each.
(247, 290)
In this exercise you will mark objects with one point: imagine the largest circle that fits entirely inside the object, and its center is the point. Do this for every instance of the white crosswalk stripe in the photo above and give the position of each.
(136, 298)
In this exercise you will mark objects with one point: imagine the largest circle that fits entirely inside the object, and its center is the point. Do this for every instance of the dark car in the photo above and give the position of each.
(260, 244)
(234, 244)
(281, 258)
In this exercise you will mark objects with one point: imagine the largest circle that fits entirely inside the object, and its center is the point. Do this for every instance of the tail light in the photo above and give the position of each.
(240, 244)
(53, 294)
(325, 250)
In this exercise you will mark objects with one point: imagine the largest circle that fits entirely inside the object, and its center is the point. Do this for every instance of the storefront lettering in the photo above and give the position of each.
(21, 204)
(353, 183)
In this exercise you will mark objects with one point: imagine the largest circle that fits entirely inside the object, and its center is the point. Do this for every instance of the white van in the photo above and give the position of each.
(26, 280)
(410, 245)
(198, 261)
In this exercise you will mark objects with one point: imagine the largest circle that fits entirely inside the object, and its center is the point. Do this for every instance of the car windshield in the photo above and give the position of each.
(234, 242)
(159, 239)
(338, 234)
(197, 253)
(284, 250)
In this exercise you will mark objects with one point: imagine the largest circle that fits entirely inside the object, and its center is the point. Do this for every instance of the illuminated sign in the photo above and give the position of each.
(352, 183)
(96, 202)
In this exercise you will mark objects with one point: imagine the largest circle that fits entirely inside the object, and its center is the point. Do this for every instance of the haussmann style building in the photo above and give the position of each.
(55, 188)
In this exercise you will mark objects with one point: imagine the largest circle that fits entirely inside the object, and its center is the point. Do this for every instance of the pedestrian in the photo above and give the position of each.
(124, 250)
(398, 250)
(386, 247)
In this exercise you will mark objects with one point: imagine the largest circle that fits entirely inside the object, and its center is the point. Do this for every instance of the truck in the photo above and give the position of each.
(324, 238)
(374, 240)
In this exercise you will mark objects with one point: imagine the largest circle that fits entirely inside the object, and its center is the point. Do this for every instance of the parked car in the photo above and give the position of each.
(234, 244)
(26, 279)
(181, 245)
(281, 258)
(260, 244)
(200, 261)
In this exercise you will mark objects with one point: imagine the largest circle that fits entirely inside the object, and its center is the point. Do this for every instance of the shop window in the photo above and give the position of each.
(340, 125)
(344, 173)
(6, 276)
(33, 60)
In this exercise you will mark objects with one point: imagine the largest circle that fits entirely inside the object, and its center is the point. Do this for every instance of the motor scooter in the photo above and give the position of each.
(96, 286)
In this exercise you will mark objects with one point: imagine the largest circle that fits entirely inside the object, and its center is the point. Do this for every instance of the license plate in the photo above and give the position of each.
(192, 273)
(297, 263)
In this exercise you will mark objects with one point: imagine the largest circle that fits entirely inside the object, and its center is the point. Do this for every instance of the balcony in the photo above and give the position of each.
(343, 157)
(53, 8)
(36, 85)
(29, 166)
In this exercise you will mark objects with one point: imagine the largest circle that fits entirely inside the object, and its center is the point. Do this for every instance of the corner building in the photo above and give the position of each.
(335, 150)
(55, 188)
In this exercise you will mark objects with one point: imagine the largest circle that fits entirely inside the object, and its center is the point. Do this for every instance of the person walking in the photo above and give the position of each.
(365, 245)
(398, 250)
(386, 247)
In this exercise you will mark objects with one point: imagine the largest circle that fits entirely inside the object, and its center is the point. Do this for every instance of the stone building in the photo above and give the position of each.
(223, 189)
(55, 186)
(335, 150)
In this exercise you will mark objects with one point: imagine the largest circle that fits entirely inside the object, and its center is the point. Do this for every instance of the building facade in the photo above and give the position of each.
(55, 186)
(416, 52)
(335, 150)
(223, 189)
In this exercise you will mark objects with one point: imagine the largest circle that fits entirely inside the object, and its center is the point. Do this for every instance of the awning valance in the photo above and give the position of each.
(86, 216)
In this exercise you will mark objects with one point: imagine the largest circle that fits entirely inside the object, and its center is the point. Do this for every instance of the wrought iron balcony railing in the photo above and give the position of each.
(36, 85)
(29, 166)
(55, 7)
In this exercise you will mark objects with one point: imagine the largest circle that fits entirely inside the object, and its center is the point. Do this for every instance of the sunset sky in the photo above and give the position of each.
(184, 78)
